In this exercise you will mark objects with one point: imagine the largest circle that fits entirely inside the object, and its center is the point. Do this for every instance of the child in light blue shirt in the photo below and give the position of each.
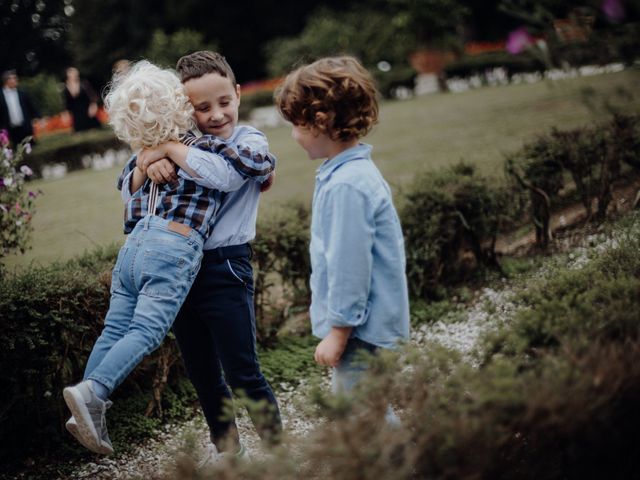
(359, 297)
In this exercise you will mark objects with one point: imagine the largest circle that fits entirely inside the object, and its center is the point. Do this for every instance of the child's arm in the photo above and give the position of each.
(131, 179)
(346, 228)
(214, 163)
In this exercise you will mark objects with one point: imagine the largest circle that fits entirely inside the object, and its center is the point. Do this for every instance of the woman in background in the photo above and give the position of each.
(80, 100)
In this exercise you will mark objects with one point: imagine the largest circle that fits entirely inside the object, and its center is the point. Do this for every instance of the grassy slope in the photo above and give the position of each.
(83, 209)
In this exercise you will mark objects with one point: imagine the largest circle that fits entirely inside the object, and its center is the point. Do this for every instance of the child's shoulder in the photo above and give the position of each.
(247, 131)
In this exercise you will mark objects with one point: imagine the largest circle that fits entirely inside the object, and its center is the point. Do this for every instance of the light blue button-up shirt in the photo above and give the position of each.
(235, 221)
(357, 252)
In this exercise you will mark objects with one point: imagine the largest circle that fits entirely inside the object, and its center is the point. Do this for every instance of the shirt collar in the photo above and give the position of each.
(361, 151)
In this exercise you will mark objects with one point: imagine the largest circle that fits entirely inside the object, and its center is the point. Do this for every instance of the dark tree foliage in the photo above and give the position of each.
(106, 31)
(33, 35)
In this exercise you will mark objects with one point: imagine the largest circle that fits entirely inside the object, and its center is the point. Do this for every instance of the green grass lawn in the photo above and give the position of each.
(83, 209)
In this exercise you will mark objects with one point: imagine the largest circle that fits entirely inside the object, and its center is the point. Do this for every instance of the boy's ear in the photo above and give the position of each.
(238, 90)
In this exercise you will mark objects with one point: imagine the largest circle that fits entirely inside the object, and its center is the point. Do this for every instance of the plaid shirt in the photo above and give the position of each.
(184, 201)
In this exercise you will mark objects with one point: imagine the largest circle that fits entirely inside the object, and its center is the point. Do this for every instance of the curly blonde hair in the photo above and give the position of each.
(335, 96)
(148, 106)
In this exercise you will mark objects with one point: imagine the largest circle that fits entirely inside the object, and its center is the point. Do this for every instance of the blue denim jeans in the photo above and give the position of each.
(151, 279)
(353, 365)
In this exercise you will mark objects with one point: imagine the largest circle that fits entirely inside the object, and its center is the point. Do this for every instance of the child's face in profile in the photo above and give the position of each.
(216, 101)
(316, 144)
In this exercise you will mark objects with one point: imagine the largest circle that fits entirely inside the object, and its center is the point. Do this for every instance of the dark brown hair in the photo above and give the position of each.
(197, 64)
(335, 95)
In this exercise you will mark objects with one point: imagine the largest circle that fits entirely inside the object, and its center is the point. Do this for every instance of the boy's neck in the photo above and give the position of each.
(336, 148)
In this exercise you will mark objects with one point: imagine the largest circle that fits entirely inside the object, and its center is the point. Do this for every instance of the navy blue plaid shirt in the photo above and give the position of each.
(184, 200)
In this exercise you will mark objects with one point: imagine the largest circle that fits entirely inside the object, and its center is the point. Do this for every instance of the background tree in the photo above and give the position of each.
(165, 50)
(33, 35)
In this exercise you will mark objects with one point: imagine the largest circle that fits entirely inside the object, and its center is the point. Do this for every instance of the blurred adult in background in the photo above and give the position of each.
(16, 109)
(80, 101)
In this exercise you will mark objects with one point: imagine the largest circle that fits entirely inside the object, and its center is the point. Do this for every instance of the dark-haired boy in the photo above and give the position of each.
(215, 328)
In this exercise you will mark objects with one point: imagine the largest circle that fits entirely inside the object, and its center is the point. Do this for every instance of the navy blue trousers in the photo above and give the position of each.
(216, 333)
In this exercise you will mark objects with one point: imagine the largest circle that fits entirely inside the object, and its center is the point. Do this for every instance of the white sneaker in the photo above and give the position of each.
(212, 457)
(89, 413)
(72, 428)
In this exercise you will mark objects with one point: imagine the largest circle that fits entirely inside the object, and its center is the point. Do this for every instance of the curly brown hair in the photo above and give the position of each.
(335, 96)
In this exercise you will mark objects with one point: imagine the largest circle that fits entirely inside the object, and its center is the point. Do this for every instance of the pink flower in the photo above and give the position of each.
(518, 41)
(32, 195)
(25, 170)
(613, 10)
(4, 138)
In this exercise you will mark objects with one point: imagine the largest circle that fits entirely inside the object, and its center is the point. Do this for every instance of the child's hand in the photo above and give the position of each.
(330, 349)
(162, 171)
(147, 156)
(268, 183)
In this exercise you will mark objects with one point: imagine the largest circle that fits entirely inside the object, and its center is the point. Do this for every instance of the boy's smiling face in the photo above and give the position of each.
(216, 101)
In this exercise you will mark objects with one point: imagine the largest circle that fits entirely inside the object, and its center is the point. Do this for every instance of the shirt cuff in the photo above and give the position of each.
(356, 316)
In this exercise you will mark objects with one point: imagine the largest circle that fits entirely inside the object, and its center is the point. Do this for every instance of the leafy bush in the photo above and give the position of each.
(165, 50)
(70, 148)
(450, 221)
(554, 410)
(593, 157)
(479, 64)
(257, 99)
(46, 91)
(400, 76)
(51, 319)
(282, 268)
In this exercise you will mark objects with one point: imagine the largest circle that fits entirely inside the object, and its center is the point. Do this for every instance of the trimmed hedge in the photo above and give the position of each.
(51, 319)
(69, 148)
(594, 158)
(479, 64)
(450, 221)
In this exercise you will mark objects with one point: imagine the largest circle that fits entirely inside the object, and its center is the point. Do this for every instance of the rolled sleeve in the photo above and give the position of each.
(213, 171)
(348, 230)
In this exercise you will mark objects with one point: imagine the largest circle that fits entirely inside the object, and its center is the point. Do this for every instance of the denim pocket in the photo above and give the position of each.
(163, 275)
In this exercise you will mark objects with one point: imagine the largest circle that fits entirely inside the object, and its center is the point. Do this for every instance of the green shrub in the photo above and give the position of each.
(450, 221)
(51, 319)
(597, 303)
(263, 98)
(400, 76)
(593, 158)
(478, 64)
(70, 148)
(282, 268)
(46, 91)
(555, 410)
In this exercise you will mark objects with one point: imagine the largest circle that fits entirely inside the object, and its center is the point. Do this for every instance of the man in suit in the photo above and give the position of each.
(16, 109)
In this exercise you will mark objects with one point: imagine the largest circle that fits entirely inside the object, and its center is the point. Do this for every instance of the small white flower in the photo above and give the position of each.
(26, 170)
(8, 181)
